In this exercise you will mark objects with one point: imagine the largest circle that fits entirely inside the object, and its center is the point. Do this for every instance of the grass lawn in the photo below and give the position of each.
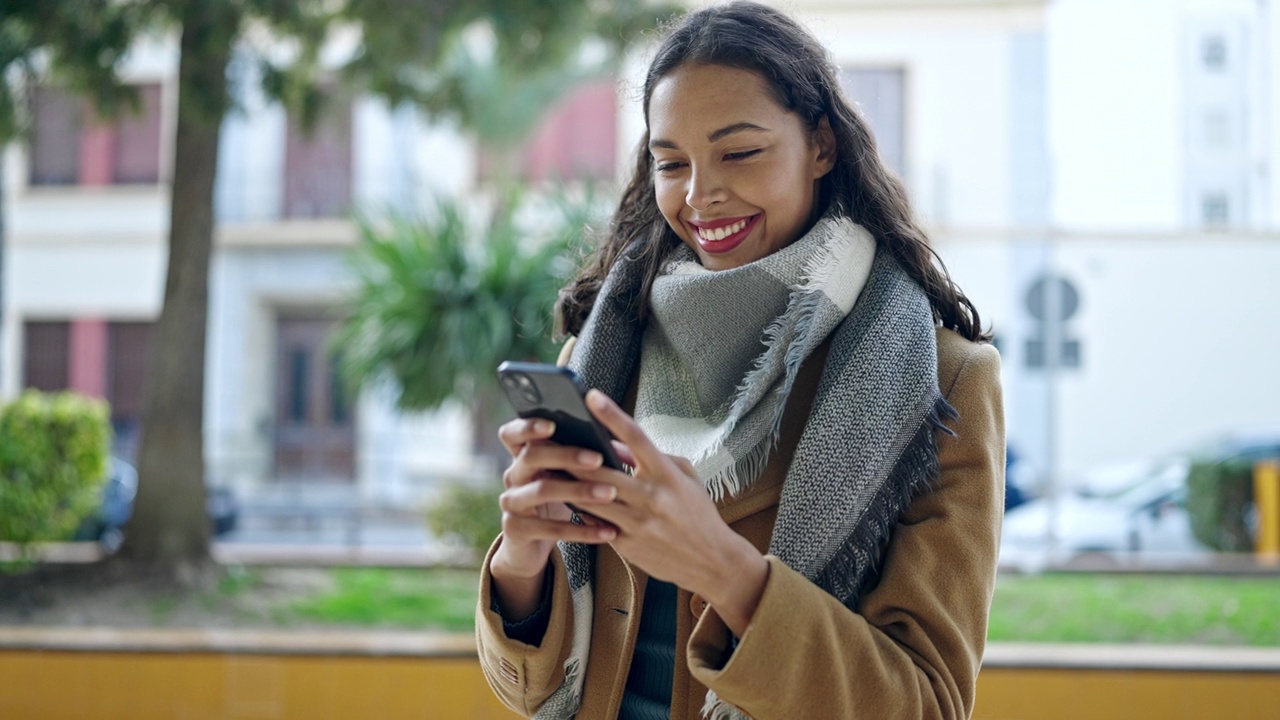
(444, 599)
(1063, 607)
(1039, 608)
(1136, 609)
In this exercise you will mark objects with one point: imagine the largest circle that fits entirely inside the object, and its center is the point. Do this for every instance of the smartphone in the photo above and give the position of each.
(557, 393)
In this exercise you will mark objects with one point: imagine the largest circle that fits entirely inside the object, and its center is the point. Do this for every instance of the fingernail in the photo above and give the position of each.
(606, 533)
(597, 399)
(604, 492)
(544, 427)
(589, 458)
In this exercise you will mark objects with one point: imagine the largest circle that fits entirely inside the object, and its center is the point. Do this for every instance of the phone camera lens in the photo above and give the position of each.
(524, 386)
(528, 389)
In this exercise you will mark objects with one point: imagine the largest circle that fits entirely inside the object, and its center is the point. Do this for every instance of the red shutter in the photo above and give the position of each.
(97, 153)
(578, 138)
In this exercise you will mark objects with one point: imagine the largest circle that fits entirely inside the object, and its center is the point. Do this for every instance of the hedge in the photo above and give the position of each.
(1219, 499)
(468, 513)
(53, 461)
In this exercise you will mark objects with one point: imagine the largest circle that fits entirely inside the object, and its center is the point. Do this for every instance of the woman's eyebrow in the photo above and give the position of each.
(712, 137)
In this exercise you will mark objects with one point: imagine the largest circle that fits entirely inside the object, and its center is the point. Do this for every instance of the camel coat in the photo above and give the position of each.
(912, 649)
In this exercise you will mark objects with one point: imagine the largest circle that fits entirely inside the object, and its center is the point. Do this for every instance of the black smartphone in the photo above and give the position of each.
(557, 393)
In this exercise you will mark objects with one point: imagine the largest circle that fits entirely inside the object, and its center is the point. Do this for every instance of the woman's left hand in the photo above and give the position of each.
(669, 526)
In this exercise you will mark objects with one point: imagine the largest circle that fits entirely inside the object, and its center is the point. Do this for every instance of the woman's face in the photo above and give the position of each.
(735, 174)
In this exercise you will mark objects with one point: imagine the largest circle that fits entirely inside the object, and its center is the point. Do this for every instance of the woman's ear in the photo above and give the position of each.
(824, 143)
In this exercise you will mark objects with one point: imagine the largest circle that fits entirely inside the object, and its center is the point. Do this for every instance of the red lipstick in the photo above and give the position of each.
(728, 242)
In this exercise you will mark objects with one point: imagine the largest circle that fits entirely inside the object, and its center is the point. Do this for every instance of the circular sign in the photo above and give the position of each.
(1038, 296)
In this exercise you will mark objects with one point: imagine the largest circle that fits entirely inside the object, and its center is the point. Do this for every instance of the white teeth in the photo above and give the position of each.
(721, 233)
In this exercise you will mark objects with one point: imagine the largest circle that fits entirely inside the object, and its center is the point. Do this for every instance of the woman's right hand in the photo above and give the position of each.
(535, 511)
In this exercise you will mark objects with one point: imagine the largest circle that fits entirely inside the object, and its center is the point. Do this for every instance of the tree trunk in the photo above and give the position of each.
(488, 412)
(170, 528)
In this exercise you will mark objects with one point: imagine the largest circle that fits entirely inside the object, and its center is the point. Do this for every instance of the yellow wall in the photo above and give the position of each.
(57, 685)
(1028, 694)
(164, 686)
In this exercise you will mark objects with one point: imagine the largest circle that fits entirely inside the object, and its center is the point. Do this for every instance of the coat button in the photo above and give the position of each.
(697, 605)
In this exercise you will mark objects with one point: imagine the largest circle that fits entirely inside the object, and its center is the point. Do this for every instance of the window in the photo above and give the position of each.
(45, 354)
(1213, 53)
(317, 164)
(71, 146)
(128, 346)
(576, 140)
(55, 138)
(1215, 209)
(1217, 129)
(879, 94)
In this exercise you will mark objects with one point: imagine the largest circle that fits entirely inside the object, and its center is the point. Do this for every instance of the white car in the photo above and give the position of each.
(1105, 522)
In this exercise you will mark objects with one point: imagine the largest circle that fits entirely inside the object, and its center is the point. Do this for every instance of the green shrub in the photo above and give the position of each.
(468, 513)
(1219, 497)
(53, 461)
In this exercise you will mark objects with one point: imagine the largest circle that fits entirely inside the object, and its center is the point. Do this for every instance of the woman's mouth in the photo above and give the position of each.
(724, 238)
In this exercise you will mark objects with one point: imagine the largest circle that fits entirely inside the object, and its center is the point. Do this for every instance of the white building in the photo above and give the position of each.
(1126, 147)
(87, 213)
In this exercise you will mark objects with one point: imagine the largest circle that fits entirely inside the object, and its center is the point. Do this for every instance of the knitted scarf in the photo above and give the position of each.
(867, 449)
(722, 349)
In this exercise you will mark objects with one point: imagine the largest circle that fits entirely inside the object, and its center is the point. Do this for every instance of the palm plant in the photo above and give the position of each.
(443, 299)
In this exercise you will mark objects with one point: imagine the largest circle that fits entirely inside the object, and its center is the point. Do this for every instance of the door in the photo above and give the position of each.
(315, 424)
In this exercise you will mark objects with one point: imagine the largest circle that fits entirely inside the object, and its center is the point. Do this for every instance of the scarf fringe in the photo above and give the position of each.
(915, 472)
(779, 336)
(716, 709)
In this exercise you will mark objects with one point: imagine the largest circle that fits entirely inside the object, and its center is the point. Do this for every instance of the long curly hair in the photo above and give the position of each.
(802, 78)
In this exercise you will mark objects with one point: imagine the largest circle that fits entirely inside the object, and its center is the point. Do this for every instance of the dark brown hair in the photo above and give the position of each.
(802, 78)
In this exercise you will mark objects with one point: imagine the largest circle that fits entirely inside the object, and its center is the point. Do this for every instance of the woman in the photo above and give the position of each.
(810, 407)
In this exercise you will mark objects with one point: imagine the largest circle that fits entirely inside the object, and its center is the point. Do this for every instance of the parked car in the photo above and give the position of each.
(1119, 510)
(1146, 514)
(106, 527)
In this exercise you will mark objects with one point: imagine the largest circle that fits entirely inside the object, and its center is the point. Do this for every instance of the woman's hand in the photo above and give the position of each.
(668, 525)
(535, 513)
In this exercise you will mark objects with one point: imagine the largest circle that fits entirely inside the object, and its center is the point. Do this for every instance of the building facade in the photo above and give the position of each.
(1098, 176)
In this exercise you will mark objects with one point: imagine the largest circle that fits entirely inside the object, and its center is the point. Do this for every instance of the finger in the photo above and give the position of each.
(631, 490)
(620, 515)
(525, 499)
(685, 465)
(536, 460)
(522, 431)
(624, 453)
(532, 528)
(625, 429)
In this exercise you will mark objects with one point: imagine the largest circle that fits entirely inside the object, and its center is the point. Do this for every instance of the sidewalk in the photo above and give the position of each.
(317, 555)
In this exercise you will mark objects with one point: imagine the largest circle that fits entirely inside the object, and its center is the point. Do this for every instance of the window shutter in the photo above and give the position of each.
(318, 165)
(55, 137)
(137, 141)
(45, 352)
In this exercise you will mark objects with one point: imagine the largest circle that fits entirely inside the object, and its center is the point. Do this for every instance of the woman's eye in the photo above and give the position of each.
(667, 167)
(741, 155)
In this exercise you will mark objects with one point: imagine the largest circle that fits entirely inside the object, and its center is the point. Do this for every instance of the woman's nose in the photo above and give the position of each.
(706, 188)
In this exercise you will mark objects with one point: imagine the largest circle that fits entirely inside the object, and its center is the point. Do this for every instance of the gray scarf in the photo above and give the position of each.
(722, 349)
(867, 449)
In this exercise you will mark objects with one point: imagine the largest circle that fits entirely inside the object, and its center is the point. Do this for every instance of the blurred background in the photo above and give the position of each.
(1098, 176)
(275, 251)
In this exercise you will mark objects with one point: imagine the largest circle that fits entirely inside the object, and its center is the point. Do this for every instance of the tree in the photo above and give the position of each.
(400, 53)
(443, 299)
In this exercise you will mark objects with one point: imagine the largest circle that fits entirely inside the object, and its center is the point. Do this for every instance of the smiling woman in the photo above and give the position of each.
(809, 408)
(735, 174)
